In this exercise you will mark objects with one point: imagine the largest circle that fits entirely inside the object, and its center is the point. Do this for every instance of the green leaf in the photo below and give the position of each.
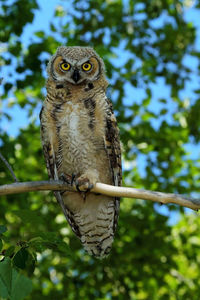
(21, 286)
(13, 285)
(3, 229)
(37, 244)
(30, 263)
(40, 34)
(5, 238)
(163, 111)
(5, 278)
(146, 101)
(49, 240)
(20, 258)
(10, 251)
(59, 11)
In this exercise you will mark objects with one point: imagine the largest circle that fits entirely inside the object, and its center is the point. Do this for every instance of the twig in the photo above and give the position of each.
(104, 189)
(9, 167)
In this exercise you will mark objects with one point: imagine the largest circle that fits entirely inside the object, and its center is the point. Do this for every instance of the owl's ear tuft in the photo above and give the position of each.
(51, 61)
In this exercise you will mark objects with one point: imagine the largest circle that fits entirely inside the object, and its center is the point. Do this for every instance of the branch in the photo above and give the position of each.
(9, 167)
(104, 189)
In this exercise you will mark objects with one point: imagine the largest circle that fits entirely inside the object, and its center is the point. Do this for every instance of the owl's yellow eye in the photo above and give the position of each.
(65, 66)
(86, 66)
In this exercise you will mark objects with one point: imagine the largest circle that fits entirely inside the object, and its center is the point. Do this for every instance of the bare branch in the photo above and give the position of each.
(9, 167)
(104, 189)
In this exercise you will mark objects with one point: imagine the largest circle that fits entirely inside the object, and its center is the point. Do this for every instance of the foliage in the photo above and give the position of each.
(144, 44)
(13, 285)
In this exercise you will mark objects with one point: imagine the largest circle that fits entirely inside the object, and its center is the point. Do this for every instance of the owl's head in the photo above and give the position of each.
(75, 65)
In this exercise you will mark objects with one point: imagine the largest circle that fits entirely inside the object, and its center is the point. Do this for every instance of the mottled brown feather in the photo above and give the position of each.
(112, 145)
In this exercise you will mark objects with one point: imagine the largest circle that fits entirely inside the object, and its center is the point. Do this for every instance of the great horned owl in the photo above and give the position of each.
(81, 144)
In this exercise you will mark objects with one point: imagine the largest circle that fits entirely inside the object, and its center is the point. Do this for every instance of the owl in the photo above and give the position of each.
(81, 145)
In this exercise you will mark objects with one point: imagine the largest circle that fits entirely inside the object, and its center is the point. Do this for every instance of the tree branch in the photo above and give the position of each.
(9, 167)
(104, 189)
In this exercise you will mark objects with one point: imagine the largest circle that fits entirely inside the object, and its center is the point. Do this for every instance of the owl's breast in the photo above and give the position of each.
(76, 150)
(70, 124)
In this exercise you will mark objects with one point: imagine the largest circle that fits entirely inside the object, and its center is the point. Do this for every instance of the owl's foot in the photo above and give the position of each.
(67, 178)
(86, 181)
(83, 184)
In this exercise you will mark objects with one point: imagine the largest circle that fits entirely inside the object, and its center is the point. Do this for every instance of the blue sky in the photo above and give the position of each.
(41, 22)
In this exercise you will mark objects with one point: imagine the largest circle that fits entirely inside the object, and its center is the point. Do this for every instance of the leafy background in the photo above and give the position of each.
(151, 50)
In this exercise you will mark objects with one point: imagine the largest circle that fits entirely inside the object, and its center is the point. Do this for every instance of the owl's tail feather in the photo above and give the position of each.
(98, 248)
(97, 226)
(93, 220)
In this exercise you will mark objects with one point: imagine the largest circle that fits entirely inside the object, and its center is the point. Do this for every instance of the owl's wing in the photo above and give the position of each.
(50, 158)
(113, 149)
(49, 154)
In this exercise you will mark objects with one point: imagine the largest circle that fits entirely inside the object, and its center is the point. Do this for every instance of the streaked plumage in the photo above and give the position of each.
(80, 137)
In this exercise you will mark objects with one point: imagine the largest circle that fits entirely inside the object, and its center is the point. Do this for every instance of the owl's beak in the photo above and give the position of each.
(76, 76)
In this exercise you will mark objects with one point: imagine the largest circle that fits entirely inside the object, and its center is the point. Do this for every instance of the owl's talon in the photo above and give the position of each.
(65, 177)
(83, 185)
(72, 178)
(77, 187)
(90, 186)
